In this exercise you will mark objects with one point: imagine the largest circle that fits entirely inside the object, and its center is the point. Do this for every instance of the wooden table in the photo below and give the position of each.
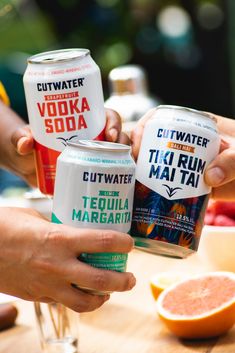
(127, 323)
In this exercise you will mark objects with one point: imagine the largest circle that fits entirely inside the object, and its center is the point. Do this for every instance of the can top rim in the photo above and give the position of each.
(191, 110)
(100, 145)
(60, 55)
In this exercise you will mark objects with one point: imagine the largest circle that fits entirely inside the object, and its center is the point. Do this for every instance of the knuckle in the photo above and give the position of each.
(89, 303)
(231, 156)
(32, 290)
(55, 237)
(100, 281)
(106, 239)
(44, 267)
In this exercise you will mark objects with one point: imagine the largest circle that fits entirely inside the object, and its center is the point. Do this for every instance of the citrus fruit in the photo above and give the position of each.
(201, 306)
(161, 281)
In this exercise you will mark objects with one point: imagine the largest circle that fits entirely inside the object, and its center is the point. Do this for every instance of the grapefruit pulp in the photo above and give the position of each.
(201, 306)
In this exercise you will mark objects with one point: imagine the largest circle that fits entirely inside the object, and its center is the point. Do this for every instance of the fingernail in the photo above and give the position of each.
(21, 141)
(113, 134)
(132, 282)
(215, 176)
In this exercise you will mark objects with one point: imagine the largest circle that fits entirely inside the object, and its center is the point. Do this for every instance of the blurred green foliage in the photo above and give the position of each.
(191, 68)
(23, 28)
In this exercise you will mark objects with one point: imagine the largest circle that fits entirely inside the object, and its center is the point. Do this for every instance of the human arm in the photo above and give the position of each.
(38, 260)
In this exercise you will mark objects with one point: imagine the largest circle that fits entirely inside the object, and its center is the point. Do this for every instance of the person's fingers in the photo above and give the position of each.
(137, 133)
(113, 125)
(22, 140)
(92, 240)
(222, 169)
(113, 128)
(86, 276)
(25, 145)
(124, 139)
(78, 300)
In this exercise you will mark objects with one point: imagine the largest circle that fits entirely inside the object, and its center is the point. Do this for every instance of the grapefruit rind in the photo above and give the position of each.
(161, 281)
(213, 323)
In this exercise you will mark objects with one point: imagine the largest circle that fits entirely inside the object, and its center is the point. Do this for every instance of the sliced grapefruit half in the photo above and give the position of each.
(201, 306)
(162, 280)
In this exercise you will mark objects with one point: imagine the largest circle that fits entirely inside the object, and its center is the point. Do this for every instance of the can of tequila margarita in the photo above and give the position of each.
(65, 102)
(170, 193)
(94, 188)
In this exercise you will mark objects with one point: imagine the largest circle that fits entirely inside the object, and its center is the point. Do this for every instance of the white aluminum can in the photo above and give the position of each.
(94, 188)
(171, 195)
(65, 102)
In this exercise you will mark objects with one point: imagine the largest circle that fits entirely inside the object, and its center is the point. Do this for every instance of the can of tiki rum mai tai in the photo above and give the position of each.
(170, 193)
(65, 102)
(94, 188)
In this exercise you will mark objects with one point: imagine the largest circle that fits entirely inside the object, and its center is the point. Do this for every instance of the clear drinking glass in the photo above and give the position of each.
(58, 328)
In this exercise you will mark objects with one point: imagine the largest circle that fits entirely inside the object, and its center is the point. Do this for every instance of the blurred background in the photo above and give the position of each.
(186, 47)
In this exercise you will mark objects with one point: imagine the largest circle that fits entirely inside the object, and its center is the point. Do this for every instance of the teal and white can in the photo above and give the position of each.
(94, 188)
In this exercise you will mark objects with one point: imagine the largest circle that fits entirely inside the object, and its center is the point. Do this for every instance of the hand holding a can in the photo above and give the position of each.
(16, 145)
(39, 260)
(177, 145)
(113, 128)
(19, 151)
(220, 173)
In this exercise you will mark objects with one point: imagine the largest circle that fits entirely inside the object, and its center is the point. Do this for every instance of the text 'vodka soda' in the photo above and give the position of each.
(170, 192)
(65, 102)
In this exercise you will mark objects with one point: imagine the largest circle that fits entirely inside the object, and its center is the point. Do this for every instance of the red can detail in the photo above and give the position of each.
(46, 159)
(46, 167)
(65, 102)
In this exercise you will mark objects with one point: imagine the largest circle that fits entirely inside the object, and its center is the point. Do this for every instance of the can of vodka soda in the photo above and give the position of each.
(171, 196)
(94, 188)
(65, 102)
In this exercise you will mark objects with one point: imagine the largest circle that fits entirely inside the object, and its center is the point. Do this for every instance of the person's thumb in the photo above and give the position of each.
(22, 140)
